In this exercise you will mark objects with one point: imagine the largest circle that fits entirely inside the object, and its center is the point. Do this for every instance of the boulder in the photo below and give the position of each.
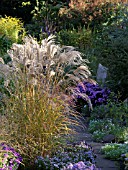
(109, 138)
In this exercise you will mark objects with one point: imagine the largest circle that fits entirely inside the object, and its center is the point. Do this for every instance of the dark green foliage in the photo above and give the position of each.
(117, 112)
(45, 20)
(111, 50)
(114, 151)
(81, 38)
(5, 44)
(17, 8)
(110, 119)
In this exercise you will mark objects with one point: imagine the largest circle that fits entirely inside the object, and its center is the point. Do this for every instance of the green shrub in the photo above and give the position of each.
(101, 125)
(98, 135)
(81, 38)
(101, 128)
(116, 112)
(45, 20)
(111, 50)
(5, 44)
(114, 151)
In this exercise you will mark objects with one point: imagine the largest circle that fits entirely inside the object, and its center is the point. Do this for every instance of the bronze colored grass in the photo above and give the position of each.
(35, 122)
(37, 115)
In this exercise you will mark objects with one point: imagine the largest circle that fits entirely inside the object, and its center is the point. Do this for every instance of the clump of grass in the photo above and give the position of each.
(36, 121)
(37, 114)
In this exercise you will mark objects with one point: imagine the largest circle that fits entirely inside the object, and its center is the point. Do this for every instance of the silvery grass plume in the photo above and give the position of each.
(49, 59)
(48, 63)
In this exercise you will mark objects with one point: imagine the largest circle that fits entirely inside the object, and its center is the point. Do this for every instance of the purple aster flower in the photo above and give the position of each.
(79, 166)
(11, 158)
(96, 94)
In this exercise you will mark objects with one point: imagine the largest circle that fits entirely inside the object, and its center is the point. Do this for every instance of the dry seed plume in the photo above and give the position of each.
(47, 60)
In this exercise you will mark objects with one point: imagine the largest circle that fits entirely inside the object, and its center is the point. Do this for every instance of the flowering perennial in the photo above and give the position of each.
(94, 92)
(9, 158)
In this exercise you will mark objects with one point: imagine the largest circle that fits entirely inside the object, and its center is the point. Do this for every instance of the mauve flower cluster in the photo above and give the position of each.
(76, 156)
(96, 94)
(81, 166)
(9, 158)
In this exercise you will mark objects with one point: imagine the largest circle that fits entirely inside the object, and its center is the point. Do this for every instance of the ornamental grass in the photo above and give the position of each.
(37, 116)
(34, 121)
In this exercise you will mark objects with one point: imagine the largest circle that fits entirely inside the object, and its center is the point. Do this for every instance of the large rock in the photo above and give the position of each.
(101, 74)
(109, 138)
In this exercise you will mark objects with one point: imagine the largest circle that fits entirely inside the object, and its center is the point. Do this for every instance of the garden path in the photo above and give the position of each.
(101, 162)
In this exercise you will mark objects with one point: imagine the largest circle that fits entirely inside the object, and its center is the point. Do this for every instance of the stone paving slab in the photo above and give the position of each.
(83, 135)
(101, 162)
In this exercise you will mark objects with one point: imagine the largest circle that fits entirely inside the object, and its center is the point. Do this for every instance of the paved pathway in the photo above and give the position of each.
(101, 162)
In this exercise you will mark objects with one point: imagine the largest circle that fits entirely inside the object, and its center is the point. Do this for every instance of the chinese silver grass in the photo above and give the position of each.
(48, 59)
(47, 66)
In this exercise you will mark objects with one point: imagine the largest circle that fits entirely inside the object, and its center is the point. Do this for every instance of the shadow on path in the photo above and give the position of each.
(101, 162)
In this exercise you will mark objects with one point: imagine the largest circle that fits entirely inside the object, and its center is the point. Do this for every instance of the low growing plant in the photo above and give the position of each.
(9, 158)
(102, 127)
(114, 151)
(115, 111)
(92, 91)
(77, 155)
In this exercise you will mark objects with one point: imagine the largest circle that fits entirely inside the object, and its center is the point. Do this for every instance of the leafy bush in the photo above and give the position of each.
(12, 28)
(111, 50)
(9, 158)
(114, 151)
(5, 44)
(115, 111)
(101, 125)
(90, 14)
(101, 128)
(81, 38)
(45, 20)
